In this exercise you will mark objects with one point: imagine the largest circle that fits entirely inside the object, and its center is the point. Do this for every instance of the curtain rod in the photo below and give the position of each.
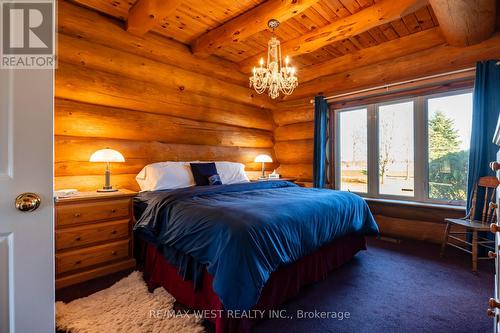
(386, 86)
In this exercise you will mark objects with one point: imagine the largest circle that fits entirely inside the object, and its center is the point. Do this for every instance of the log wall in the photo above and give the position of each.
(149, 98)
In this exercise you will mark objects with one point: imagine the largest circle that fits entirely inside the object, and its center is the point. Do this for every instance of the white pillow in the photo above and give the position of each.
(165, 176)
(172, 175)
(231, 172)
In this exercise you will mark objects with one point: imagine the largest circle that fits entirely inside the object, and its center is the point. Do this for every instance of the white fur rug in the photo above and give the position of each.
(127, 306)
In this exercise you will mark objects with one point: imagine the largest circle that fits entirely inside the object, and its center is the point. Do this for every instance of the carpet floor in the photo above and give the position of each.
(402, 287)
(394, 287)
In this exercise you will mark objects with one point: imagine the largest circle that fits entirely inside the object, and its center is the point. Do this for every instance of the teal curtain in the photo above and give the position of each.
(485, 112)
(320, 141)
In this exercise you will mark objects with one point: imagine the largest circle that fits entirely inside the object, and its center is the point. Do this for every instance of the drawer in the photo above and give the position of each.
(90, 234)
(76, 213)
(92, 256)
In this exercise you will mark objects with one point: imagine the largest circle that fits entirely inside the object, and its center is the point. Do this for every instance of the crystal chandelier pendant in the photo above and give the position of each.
(274, 77)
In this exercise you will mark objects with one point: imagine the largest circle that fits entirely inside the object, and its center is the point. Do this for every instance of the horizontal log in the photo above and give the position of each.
(123, 181)
(248, 24)
(389, 50)
(294, 152)
(437, 60)
(93, 182)
(303, 172)
(285, 115)
(76, 82)
(72, 155)
(458, 81)
(298, 131)
(109, 59)
(465, 22)
(83, 23)
(377, 14)
(86, 120)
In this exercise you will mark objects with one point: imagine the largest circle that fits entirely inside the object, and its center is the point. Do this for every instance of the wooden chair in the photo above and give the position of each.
(472, 226)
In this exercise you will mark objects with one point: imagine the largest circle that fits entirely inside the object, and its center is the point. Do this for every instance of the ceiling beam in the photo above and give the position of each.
(248, 24)
(392, 49)
(145, 14)
(440, 59)
(382, 12)
(465, 22)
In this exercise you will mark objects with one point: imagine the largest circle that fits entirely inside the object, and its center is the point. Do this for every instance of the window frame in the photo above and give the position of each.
(420, 151)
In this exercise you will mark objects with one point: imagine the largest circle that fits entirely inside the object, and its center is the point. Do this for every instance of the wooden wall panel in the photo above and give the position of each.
(108, 59)
(294, 152)
(87, 120)
(87, 85)
(150, 99)
(82, 23)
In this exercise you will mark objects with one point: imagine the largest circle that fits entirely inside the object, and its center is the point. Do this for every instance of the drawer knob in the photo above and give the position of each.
(490, 313)
(78, 214)
(113, 232)
(78, 238)
(493, 303)
(494, 228)
(492, 254)
(113, 211)
(113, 253)
(495, 166)
(78, 262)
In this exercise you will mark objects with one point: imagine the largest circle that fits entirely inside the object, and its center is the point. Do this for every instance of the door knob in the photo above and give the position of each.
(495, 166)
(28, 202)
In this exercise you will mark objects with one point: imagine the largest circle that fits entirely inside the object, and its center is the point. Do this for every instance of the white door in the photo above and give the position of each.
(26, 165)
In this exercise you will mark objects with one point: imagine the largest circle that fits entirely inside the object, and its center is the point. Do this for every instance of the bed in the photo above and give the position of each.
(246, 246)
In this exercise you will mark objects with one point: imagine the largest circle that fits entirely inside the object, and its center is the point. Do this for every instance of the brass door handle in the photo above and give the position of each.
(28, 202)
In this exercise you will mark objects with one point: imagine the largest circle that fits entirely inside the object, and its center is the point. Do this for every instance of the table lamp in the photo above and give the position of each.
(107, 155)
(263, 158)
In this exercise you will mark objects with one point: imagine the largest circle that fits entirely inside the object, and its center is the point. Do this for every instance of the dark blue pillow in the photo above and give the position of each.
(201, 172)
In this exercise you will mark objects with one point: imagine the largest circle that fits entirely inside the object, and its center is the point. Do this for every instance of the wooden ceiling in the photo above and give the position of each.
(188, 20)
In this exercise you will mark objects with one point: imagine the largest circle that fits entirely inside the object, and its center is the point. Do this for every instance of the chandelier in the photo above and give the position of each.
(274, 76)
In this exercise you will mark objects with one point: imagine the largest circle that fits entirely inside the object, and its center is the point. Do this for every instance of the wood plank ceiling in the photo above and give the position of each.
(193, 18)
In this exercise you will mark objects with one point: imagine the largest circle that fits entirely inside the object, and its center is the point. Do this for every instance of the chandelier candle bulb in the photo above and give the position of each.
(274, 77)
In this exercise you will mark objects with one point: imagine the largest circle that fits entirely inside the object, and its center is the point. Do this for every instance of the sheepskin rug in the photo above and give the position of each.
(127, 307)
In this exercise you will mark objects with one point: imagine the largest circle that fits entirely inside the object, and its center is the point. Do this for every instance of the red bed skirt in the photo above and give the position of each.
(283, 284)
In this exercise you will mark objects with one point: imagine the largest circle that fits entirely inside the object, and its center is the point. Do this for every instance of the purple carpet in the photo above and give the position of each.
(392, 287)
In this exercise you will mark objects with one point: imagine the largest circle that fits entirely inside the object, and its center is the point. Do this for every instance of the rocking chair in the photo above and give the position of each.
(472, 226)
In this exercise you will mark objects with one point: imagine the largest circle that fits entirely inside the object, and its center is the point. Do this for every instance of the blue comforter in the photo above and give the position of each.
(244, 232)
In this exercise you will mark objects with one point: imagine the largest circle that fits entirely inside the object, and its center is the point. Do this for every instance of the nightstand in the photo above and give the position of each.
(93, 235)
(289, 179)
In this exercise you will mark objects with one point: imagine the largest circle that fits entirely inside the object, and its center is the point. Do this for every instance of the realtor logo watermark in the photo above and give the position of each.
(27, 35)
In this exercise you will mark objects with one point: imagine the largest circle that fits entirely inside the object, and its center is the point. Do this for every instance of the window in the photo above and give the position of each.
(412, 149)
(395, 149)
(353, 152)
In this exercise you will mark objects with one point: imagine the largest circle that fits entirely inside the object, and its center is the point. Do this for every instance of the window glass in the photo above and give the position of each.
(396, 149)
(449, 127)
(353, 151)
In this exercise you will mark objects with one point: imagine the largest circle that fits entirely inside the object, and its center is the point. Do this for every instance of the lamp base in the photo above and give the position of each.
(107, 190)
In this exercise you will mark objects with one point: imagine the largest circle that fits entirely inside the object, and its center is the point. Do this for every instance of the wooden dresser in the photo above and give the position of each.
(93, 236)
